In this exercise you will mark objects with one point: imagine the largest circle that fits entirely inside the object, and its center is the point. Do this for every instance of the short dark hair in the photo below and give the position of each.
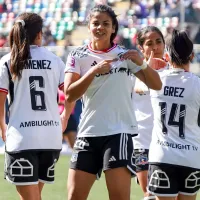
(180, 47)
(21, 37)
(110, 12)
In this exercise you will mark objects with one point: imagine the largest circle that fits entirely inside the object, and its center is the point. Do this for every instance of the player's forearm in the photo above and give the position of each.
(69, 106)
(150, 77)
(76, 90)
(2, 108)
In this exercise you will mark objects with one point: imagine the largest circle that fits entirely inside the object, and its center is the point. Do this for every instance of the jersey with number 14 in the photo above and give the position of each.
(176, 132)
(34, 121)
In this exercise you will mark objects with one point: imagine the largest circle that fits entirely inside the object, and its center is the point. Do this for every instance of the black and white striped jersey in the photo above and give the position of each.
(107, 104)
(176, 131)
(34, 121)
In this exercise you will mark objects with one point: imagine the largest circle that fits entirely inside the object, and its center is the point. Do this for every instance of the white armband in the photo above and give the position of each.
(144, 65)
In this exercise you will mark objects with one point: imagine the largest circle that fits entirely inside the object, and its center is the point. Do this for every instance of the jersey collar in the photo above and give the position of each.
(101, 52)
(177, 70)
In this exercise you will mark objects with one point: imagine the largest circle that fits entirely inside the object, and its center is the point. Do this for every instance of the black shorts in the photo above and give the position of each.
(71, 126)
(94, 154)
(170, 180)
(141, 159)
(30, 167)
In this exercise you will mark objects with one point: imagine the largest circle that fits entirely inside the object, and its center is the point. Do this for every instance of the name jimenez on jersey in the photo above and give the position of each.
(34, 121)
(104, 109)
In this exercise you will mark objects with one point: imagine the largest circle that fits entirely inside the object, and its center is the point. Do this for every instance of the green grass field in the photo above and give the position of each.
(57, 191)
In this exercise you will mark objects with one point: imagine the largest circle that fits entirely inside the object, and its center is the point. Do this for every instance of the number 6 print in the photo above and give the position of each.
(35, 94)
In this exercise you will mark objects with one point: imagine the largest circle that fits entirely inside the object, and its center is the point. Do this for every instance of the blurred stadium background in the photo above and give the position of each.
(65, 27)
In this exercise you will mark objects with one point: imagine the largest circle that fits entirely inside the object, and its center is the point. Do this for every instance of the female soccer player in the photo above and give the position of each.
(31, 75)
(100, 73)
(151, 43)
(175, 148)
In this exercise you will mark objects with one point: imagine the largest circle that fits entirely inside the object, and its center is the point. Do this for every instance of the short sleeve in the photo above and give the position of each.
(72, 64)
(62, 73)
(4, 79)
(133, 67)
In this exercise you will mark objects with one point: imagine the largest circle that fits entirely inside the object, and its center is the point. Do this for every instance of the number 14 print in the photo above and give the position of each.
(171, 122)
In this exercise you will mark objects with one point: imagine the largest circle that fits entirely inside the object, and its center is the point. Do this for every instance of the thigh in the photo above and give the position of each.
(86, 156)
(189, 181)
(186, 197)
(28, 192)
(118, 152)
(114, 179)
(163, 180)
(47, 161)
(22, 168)
(79, 184)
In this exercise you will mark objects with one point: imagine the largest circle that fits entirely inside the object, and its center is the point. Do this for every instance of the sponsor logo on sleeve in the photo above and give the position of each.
(71, 61)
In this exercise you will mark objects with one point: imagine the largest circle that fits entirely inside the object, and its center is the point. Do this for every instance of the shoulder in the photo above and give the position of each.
(4, 59)
(118, 50)
(44, 50)
(80, 52)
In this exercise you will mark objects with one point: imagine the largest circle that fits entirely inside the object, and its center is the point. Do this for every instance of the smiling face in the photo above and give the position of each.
(101, 28)
(153, 42)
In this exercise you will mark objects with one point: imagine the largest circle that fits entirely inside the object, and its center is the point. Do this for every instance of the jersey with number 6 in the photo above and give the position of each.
(34, 121)
(176, 132)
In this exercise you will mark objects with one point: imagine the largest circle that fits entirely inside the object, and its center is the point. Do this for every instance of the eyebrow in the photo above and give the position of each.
(152, 40)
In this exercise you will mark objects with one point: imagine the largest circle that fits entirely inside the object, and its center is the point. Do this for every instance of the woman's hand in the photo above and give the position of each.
(103, 66)
(156, 63)
(134, 56)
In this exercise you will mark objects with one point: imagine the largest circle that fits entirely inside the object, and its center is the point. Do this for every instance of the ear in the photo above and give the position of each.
(192, 56)
(39, 35)
(113, 29)
(88, 28)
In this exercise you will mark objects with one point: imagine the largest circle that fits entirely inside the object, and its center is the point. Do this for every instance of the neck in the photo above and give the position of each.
(100, 46)
(186, 67)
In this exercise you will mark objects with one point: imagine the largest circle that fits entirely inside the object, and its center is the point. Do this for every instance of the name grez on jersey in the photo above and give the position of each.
(39, 123)
(38, 64)
(173, 91)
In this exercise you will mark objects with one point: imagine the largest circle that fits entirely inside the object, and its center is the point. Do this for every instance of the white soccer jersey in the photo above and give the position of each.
(34, 121)
(144, 116)
(176, 132)
(107, 105)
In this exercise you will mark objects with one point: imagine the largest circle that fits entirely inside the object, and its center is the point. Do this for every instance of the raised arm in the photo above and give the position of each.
(150, 77)
(147, 75)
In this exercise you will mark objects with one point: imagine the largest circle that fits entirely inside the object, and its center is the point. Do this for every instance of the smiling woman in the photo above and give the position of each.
(101, 75)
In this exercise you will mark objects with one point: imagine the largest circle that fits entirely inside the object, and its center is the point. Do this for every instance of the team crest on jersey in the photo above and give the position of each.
(141, 159)
(71, 61)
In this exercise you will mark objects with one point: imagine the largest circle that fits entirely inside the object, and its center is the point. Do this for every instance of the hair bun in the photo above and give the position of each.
(182, 44)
